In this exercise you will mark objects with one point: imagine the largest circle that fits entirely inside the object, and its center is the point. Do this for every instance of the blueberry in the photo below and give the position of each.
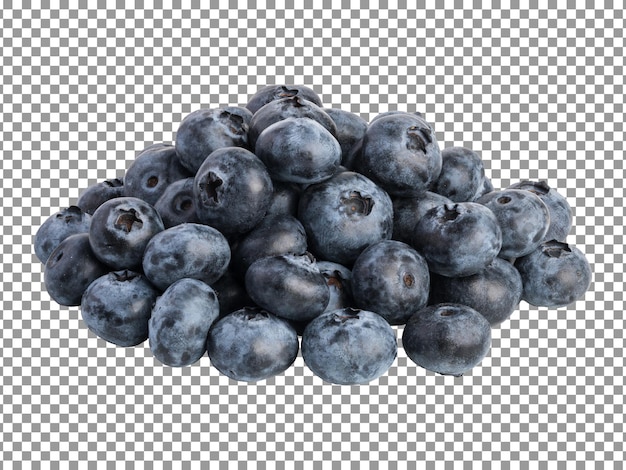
(495, 292)
(554, 275)
(458, 239)
(392, 279)
(152, 171)
(462, 174)
(395, 112)
(208, 129)
(231, 293)
(177, 204)
(485, 187)
(298, 150)
(350, 129)
(57, 228)
(285, 198)
(232, 190)
(274, 235)
(290, 286)
(344, 215)
(560, 210)
(339, 282)
(523, 217)
(284, 108)
(93, 197)
(400, 153)
(117, 307)
(180, 322)
(252, 345)
(70, 268)
(186, 251)
(408, 210)
(270, 93)
(448, 338)
(120, 230)
(349, 346)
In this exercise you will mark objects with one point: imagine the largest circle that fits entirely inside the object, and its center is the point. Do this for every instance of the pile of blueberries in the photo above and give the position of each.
(285, 226)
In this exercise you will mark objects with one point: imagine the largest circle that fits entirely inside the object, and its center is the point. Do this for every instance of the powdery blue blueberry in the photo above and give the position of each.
(276, 92)
(350, 129)
(117, 307)
(177, 204)
(57, 228)
(251, 345)
(180, 322)
(408, 210)
(462, 174)
(93, 196)
(349, 346)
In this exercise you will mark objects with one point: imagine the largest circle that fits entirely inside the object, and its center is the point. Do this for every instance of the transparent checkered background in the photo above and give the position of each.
(538, 91)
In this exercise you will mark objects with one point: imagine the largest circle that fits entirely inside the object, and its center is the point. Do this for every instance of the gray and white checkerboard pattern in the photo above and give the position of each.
(538, 91)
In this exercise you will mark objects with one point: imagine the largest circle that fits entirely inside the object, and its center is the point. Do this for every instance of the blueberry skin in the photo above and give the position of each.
(152, 171)
(231, 293)
(560, 211)
(284, 108)
(401, 154)
(349, 346)
(485, 187)
(96, 194)
(177, 204)
(462, 174)
(298, 150)
(70, 268)
(285, 198)
(117, 307)
(523, 218)
(397, 111)
(290, 286)
(57, 228)
(344, 215)
(392, 279)
(448, 338)
(208, 129)
(180, 322)
(274, 235)
(350, 129)
(232, 191)
(459, 239)
(270, 93)
(554, 275)
(251, 345)
(495, 292)
(186, 251)
(339, 282)
(408, 210)
(120, 230)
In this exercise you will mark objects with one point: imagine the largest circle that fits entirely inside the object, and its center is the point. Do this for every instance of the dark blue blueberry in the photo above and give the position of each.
(208, 129)
(93, 197)
(120, 230)
(57, 228)
(180, 322)
(285, 198)
(252, 345)
(462, 174)
(523, 217)
(277, 110)
(177, 204)
(458, 239)
(396, 111)
(274, 235)
(344, 215)
(485, 187)
(350, 129)
(186, 251)
(554, 275)
(232, 191)
(231, 293)
(401, 154)
(339, 281)
(270, 93)
(290, 286)
(408, 210)
(560, 210)
(349, 346)
(449, 339)
(117, 307)
(495, 292)
(152, 171)
(298, 150)
(392, 279)
(70, 268)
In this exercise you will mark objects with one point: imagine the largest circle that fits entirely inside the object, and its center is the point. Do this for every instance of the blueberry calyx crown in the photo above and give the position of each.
(419, 138)
(356, 203)
(556, 249)
(128, 220)
(346, 314)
